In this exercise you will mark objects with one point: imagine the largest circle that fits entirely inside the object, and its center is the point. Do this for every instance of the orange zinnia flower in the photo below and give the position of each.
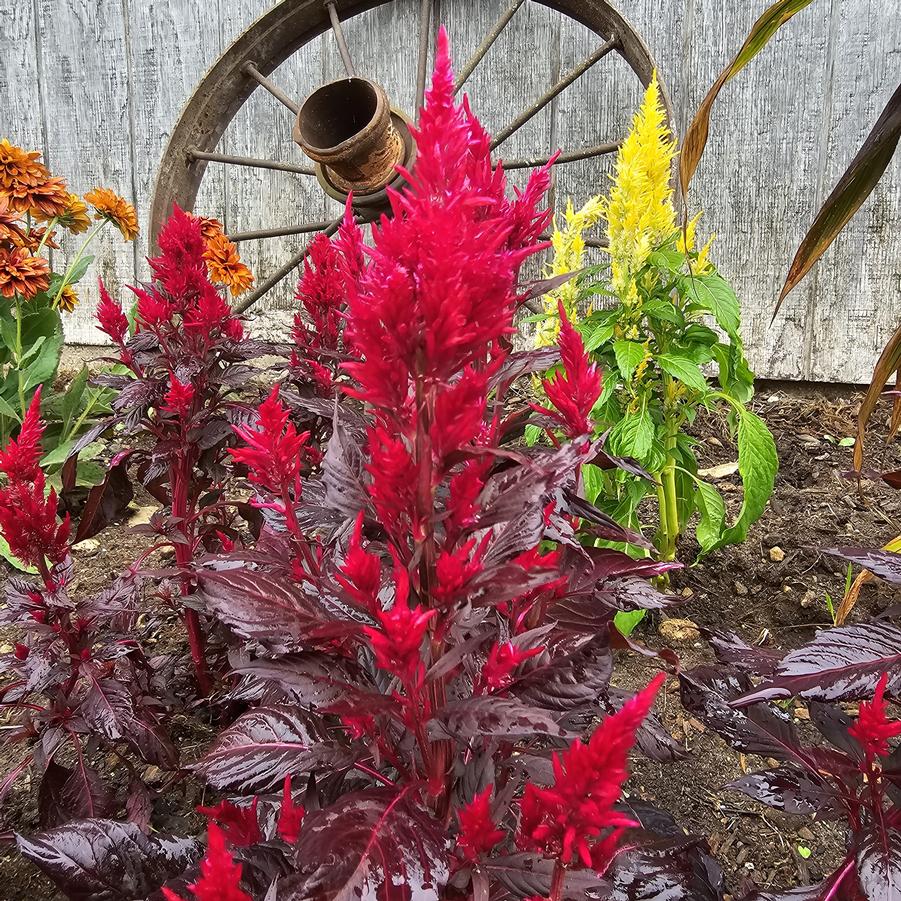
(28, 184)
(11, 231)
(210, 228)
(115, 209)
(68, 299)
(47, 200)
(75, 218)
(23, 274)
(34, 238)
(225, 266)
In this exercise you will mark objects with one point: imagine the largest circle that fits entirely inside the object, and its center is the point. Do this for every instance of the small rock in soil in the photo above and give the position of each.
(741, 588)
(90, 547)
(777, 555)
(679, 630)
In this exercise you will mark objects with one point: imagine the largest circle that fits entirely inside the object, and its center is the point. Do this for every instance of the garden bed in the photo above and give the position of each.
(770, 590)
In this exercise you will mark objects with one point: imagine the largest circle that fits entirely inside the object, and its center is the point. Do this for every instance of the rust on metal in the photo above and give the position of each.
(348, 128)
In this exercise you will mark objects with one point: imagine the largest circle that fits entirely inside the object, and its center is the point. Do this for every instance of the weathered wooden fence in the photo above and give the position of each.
(97, 85)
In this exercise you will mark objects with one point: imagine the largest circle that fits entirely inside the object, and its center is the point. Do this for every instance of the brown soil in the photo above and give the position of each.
(746, 589)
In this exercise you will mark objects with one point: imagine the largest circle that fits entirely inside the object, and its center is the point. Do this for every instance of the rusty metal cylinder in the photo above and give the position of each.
(347, 127)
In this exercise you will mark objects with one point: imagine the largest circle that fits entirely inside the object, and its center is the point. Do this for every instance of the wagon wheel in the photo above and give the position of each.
(352, 136)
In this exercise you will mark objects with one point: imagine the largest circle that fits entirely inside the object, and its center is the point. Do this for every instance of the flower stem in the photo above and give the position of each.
(557, 881)
(75, 261)
(19, 371)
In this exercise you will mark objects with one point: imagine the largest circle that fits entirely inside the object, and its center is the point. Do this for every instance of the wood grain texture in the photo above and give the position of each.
(85, 91)
(99, 84)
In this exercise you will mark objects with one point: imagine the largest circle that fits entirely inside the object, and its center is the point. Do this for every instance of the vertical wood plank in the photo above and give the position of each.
(860, 275)
(20, 76)
(85, 94)
(170, 46)
(760, 166)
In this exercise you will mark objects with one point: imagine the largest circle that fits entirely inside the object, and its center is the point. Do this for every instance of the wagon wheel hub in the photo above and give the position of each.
(356, 138)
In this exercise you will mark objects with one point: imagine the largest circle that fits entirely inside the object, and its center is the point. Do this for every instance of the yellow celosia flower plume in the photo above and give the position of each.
(639, 211)
(569, 250)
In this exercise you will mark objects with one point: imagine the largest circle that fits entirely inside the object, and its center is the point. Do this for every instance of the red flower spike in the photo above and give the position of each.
(110, 318)
(290, 815)
(240, 824)
(478, 832)
(19, 459)
(21, 651)
(873, 728)
(28, 522)
(275, 450)
(361, 573)
(576, 389)
(398, 643)
(455, 569)
(565, 821)
(322, 293)
(459, 412)
(393, 485)
(179, 398)
(502, 660)
(153, 309)
(220, 876)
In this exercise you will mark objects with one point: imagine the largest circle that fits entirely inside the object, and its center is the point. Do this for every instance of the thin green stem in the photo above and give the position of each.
(50, 226)
(76, 259)
(20, 373)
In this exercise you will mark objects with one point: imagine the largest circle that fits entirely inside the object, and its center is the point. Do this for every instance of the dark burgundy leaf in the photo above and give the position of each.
(523, 362)
(491, 715)
(93, 433)
(671, 870)
(107, 502)
(525, 875)
(266, 744)
(833, 724)
(604, 460)
(606, 527)
(567, 681)
(879, 865)
(372, 846)
(139, 805)
(885, 564)
(805, 893)
(311, 678)
(733, 651)
(72, 794)
(790, 790)
(270, 609)
(343, 471)
(540, 287)
(840, 664)
(651, 739)
(102, 860)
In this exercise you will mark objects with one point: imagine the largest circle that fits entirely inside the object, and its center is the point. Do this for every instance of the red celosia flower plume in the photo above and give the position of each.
(503, 659)
(110, 318)
(240, 824)
(576, 389)
(220, 876)
(322, 292)
(873, 728)
(19, 459)
(274, 452)
(179, 398)
(290, 815)
(565, 820)
(361, 572)
(478, 832)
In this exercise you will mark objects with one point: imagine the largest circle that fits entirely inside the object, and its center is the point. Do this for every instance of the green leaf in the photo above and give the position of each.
(44, 367)
(532, 434)
(657, 308)
(684, 369)
(757, 466)
(593, 481)
(853, 188)
(626, 621)
(597, 336)
(713, 515)
(72, 398)
(696, 137)
(6, 409)
(714, 294)
(76, 273)
(668, 259)
(633, 435)
(628, 355)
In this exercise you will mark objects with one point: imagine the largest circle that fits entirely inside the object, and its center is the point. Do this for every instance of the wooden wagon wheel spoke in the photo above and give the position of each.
(351, 128)
(250, 161)
(264, 287)
(485, 46)
(573, 156)
(559, 87)
(422, 61)
(272, 87)
(338, 31)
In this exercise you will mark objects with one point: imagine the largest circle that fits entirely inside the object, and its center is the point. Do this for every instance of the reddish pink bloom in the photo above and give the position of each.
(398, 642)
(210, 314)
(110, 318)
(393, 485)
(566, 820)
(464, 489)
(459, 412)
(322, 292)
(456, 569)
(290, 815)
(21, 651)
(503, 659)
(357, 727)
(181, 268)
(179, 398)
(873, 728)
(478, 832)
(240, 824)
(361, 572)
(19, 459)
(153, 309)
(275, 449)
(576, 389)
(220, 876)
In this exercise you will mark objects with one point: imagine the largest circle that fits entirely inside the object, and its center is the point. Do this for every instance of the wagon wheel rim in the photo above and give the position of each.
(280, 33)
